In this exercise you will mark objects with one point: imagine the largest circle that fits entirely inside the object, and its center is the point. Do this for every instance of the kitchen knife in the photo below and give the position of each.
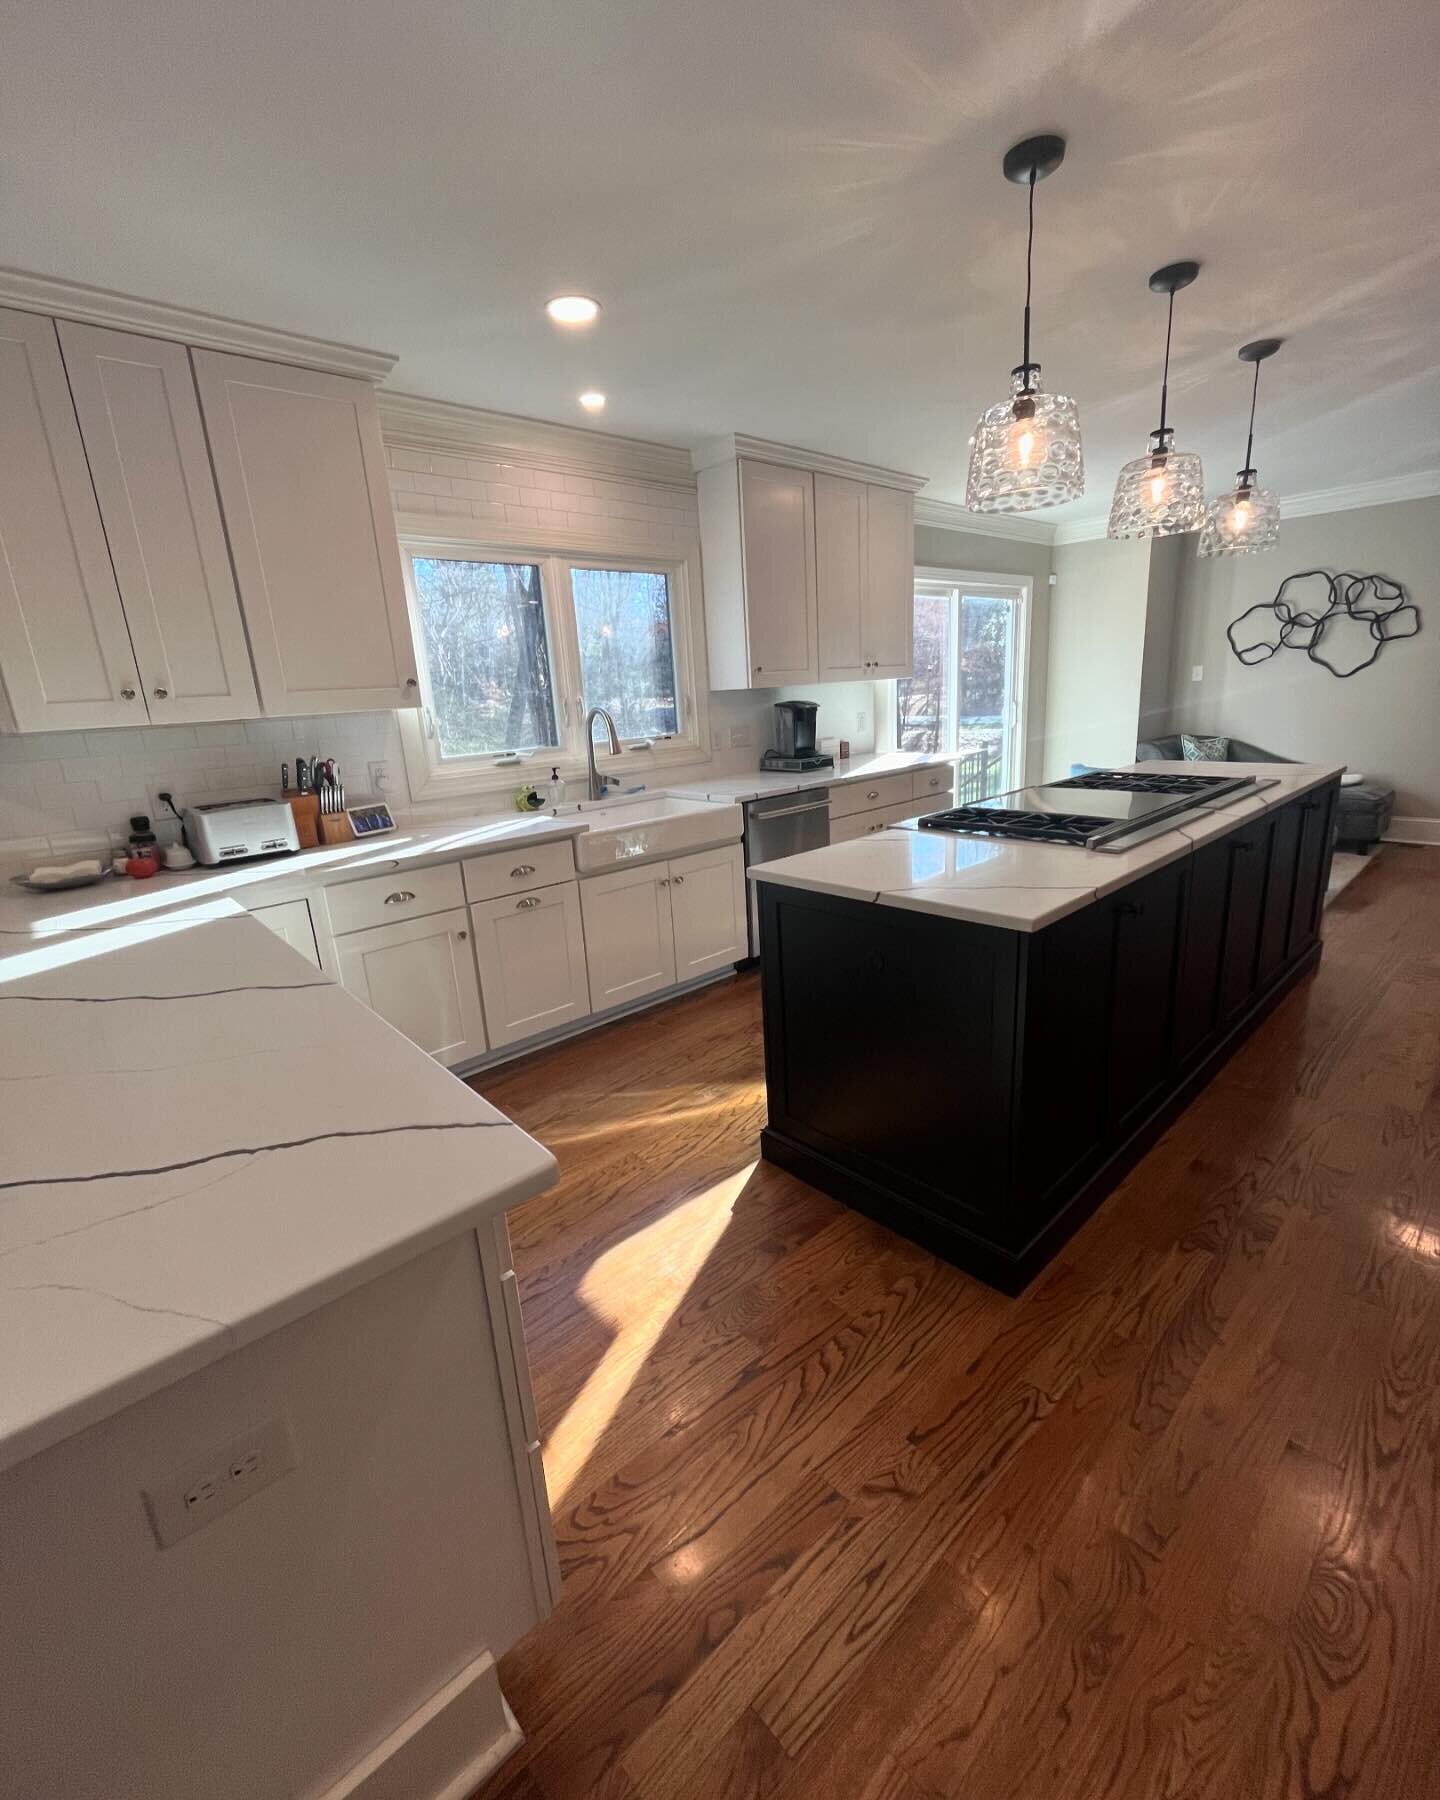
(284, 778)
(302, 776)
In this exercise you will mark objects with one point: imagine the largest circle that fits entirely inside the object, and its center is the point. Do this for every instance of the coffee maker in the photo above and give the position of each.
(795, 751)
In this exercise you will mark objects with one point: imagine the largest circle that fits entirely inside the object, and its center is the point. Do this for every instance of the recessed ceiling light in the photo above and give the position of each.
(593, 402)
(573, 309)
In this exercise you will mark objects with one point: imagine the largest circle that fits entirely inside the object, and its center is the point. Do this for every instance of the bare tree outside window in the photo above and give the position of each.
(627, 656)
(487, 655)
(957, 702)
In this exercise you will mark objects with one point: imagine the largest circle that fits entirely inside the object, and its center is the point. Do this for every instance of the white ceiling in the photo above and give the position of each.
(793, 212)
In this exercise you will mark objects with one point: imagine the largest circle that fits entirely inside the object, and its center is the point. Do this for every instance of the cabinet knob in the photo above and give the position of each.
(664, 881)
(127, 693)
(1130, 909)
(522, 870)
(399, 898)
(462, 935)
(874, 794)
(525, 904)
(162, 693)
(679, 881)
(411, 682)
(758, 669)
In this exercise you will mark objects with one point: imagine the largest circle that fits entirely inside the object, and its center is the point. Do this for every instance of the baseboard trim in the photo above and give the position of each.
(1413, 831)
(445, 1749)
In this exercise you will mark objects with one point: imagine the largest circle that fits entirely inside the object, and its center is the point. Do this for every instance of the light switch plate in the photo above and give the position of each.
(202, 1491)
(1197, 671)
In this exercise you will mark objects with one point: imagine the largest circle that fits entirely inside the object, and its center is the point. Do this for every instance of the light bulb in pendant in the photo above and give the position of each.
(1157, 489)
(1240, 518)
(1247, 518)
(1024, 447)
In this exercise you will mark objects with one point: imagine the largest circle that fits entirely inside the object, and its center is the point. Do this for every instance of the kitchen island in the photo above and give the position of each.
(972, 1040)
(271, 1501)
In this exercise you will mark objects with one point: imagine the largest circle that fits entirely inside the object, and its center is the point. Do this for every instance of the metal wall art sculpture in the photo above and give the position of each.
(1372, 602)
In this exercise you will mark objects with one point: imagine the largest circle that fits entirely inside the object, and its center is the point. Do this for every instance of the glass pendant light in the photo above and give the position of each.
(1246, 519)
(1026, 450)
(1162, 492)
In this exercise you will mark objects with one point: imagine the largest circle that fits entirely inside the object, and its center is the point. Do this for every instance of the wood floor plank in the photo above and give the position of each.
(837, 1521)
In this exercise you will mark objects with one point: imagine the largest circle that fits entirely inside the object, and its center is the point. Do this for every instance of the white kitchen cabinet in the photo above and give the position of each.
(301, 474)
(420, 975)
(629, 937)
(888, 606)
(64, 650)
(707, 911)
(840, 577)
(758, 536)
(290, 921)
(140, 423)
(530, 951)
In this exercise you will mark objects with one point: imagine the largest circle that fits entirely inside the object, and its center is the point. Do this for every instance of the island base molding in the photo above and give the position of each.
(445, 1749)
(1012, 1271)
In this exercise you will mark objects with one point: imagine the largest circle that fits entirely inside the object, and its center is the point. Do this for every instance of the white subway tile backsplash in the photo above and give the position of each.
(450, 508)
(432, 484)
(409, 459)
(450, 465)
(416, 503)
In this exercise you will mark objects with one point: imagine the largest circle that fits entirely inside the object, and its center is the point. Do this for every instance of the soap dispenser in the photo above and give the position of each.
(556, 789)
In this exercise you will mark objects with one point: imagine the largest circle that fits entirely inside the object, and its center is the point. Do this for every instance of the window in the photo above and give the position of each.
(514, 650)
(966, 695)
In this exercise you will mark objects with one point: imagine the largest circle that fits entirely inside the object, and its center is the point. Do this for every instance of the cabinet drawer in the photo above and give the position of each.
(934, 784)
(514, 871)
(859, 825)
(848, 797)
(290, 920)
(384, 899)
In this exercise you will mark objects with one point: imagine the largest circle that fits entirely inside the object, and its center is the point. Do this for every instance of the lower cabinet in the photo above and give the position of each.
(1146, 936)
(419, 974)
(649, 928)
(290, 920)
(1249, 850)
(530, 951)
(1312, 867)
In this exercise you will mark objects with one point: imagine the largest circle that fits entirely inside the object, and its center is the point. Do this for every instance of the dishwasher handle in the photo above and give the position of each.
(789, 812)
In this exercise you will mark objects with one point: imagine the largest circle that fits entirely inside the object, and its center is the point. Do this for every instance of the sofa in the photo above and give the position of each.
(1363, 814)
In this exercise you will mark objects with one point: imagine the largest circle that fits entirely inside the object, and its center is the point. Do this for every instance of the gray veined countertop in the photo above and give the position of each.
(204, 1139)
(1021, 886)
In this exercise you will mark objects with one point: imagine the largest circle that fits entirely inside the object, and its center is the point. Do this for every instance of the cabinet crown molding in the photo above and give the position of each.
(411, 422)
(206, 331)
(736, 444)
(947, 516)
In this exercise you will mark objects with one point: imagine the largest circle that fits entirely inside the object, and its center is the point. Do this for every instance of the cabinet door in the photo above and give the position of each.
(1197, 989)
(840, 577)
(301, 473)
(1312, 869)
(707, 909)
(140, 419)
(1142, 993)
(1244, 913)
(1279, 892)
(290, 920)
(777, 520)
(888, 619)
(64, 651)
(420, 975)
(629, 939)
(530, 950)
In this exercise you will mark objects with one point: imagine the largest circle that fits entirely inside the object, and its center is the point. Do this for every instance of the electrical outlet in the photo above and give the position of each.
(227, 1478)
(379, 779)
(862, 721)
(1197, 671)
(739, 736)
(719, 738)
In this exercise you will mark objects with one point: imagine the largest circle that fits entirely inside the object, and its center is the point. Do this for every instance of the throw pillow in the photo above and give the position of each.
(1205, 749)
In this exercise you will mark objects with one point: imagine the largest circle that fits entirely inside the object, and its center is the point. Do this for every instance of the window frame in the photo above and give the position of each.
(433, 777)
(982, 584)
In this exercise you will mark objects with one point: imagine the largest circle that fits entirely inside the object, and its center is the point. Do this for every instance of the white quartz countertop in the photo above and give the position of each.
(760, 784)
(1021, 886)
(205, 1139)
(81, 908)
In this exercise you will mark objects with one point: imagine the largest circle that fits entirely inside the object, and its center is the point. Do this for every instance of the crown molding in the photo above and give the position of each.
(732, 444)
(411, 422)
(205, 331)
(1424, 484)
(947, 516)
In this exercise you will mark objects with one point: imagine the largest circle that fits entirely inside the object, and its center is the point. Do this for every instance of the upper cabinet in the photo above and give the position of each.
(64, 649)
(188, 534)
(301, 473)
(140, 421)
(809, 571)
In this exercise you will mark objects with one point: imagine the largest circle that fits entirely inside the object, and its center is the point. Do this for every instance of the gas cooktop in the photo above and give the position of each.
(1120, 808)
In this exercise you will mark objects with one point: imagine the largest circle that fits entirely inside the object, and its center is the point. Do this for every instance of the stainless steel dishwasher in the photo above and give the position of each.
(780, 827)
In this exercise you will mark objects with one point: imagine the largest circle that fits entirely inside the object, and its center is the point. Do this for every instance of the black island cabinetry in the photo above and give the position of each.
(980, 1089)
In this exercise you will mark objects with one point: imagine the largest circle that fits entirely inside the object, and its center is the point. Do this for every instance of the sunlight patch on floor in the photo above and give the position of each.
(636, 1287)
(559, 1138)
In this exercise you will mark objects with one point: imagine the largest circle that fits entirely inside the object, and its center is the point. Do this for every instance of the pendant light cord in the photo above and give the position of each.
(1250, 437)
(1165, 378)
(1025, 362)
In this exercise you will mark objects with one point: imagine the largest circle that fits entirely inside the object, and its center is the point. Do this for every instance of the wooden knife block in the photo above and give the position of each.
(334, 828)
(306, 808)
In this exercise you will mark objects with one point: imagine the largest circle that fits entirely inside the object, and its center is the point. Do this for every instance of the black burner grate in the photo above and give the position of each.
(1038, 827)
(1127, 781)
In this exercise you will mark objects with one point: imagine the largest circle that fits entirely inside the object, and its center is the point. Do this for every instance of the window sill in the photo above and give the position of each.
(429, 781)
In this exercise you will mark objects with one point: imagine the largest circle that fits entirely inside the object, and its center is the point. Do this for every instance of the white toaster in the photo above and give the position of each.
(232, 830)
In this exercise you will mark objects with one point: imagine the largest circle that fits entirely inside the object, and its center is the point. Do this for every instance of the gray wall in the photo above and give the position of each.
(1384, 721)
(939, 548)
(1097, 645)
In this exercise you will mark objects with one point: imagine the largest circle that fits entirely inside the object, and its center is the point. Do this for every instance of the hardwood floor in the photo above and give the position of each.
(835, 1520)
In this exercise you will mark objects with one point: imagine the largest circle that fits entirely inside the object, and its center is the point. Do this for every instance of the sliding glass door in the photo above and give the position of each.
(966, 697)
